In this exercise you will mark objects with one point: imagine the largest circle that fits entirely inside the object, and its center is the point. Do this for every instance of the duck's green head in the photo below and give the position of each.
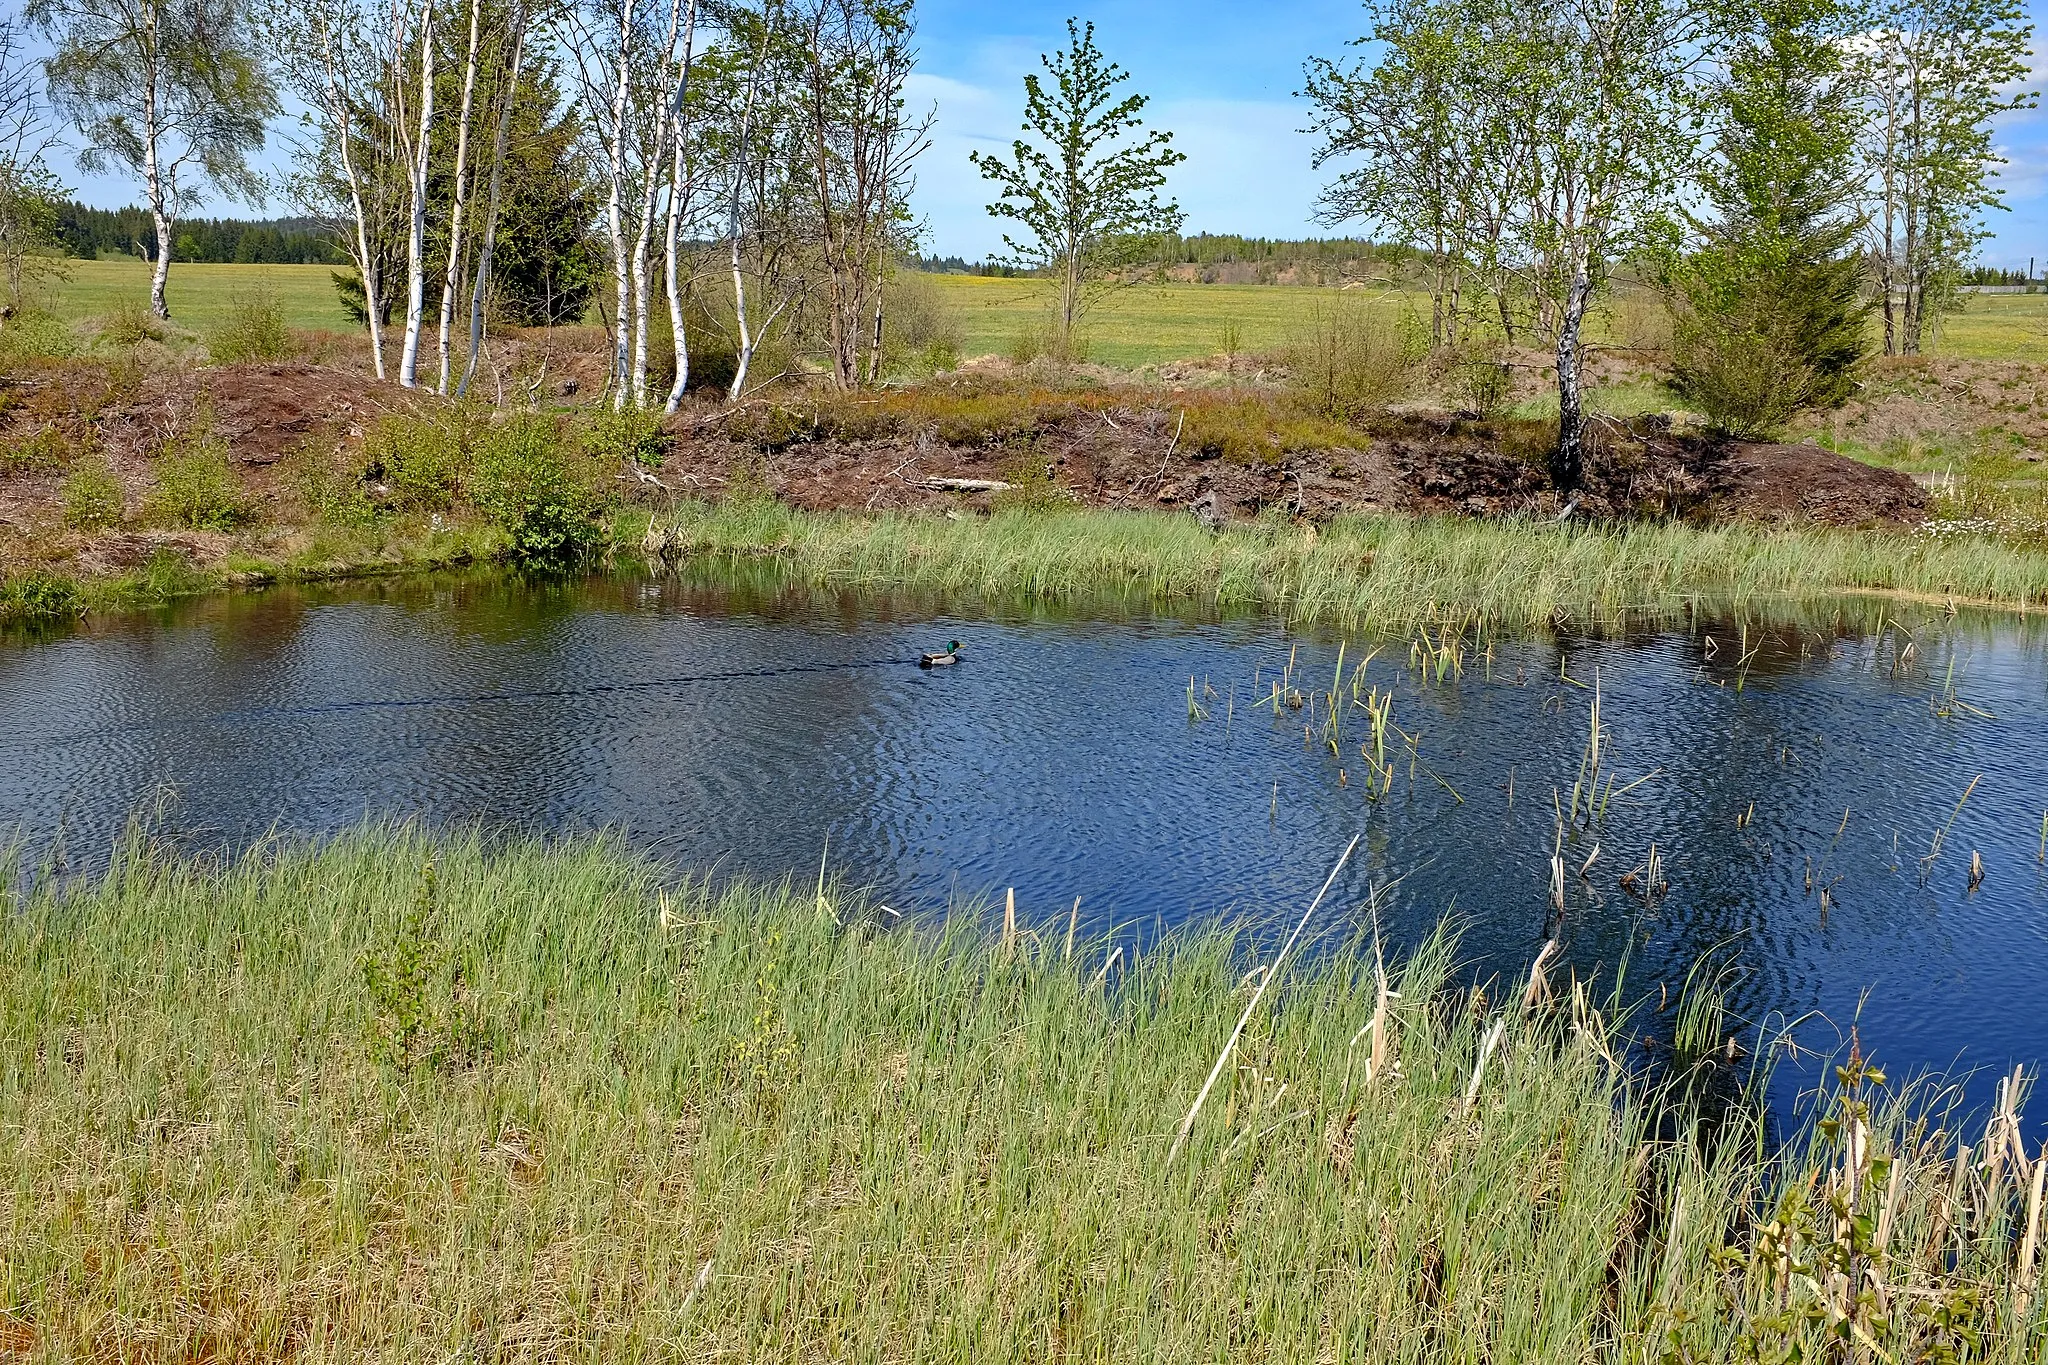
(953, 648)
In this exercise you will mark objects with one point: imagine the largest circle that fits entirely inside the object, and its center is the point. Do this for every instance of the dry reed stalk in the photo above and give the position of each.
(1538, 991)
(1103, 975)
(1009, 917)
(1223, 1058)
(2027, 1272)
(1486, 1047)
(1073, 919)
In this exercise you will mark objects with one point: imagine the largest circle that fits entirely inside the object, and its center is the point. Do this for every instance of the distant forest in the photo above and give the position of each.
(90, 232)
(1216, 249)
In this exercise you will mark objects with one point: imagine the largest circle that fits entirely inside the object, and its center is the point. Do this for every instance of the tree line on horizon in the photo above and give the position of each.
(731, 179)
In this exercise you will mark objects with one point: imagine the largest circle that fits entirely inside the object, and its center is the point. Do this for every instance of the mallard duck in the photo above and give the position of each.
(951, 656)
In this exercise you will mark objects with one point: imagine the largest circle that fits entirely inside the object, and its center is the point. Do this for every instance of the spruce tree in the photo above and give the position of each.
(1771, 308)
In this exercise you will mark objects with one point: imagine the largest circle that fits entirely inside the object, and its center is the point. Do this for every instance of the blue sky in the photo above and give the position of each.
(1222, 77)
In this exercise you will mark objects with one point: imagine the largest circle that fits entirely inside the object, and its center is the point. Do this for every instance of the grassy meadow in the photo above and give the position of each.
(1144, 324)
(408, 1097)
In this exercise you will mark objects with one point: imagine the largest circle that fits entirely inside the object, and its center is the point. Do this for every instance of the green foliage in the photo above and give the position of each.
(1770, 314)
(330, 485)
(1032, 487)
(628, 436)
(1088, 199)
(921, 332)
(422, 1015)
(421, 458)
(538, 490)
(1481, 381)
(254, 330)
(195, 487)
(39, 597)
(93, 497)
(33, 334)
(128, 323)
(1348, 361)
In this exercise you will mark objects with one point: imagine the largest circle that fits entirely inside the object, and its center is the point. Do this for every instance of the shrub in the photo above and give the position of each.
(1480, 381)
(1351, 360)
(195, 488)
(40, 596)
(921, 333)
(1743, 370)
(42, 452)
(131, 324)
(627, 436)
(422, 459)
(33, 334)
(253, 330)
(536, 489)
(92, 495)
(330, 486)
(1032, 487)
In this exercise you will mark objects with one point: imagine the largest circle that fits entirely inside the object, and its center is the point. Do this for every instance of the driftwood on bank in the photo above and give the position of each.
(967, 485)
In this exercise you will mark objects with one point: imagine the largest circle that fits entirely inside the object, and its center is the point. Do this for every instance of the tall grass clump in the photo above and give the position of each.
(92, 495)
(253, 330)
(403, 1097)
(1385, 572)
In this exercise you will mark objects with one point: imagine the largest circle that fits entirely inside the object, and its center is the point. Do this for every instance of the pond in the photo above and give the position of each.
(726, 720)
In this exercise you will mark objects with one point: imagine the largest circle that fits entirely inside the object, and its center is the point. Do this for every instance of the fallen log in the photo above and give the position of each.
(966, 485)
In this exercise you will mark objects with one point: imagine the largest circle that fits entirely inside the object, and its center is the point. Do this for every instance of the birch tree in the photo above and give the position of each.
(418, 146)
(852, 58)
(1934, 74)
(344, 65)
(1085, 189)
(173, 91)
(453, 264)
(28, 189)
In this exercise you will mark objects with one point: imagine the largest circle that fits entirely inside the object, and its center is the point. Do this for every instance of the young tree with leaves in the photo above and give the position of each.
(1770, 313)
(28, 189)
(174, 90)
(1934, 75)
(1088, 196)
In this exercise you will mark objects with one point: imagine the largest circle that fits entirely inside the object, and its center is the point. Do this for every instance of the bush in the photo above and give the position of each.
(92, 495)
(40, 596)
(1743, 370)
(628, 436)
(538, 492)
(422, 459)
(330, 486)
(1351, 360)
(32, 334)
(254, 330)
(1480, 381)
(195, 488)
(921, 333)
(131, 324)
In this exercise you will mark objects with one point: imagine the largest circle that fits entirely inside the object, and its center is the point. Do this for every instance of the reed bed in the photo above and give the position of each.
(1379, 572)
(413, 1097)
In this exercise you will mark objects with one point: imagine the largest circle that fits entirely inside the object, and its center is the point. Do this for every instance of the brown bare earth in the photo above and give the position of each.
(1129, 457)
(1222, 452)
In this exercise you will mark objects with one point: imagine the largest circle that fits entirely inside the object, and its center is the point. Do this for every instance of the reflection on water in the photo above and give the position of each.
(742, 724)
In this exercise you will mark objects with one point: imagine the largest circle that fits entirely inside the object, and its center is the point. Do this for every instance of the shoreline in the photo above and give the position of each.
(1392, 571)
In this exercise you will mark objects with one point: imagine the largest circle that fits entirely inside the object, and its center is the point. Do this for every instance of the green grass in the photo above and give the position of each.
(1145, 324)
(420, 1098)
(202, 297)
(1378, 572)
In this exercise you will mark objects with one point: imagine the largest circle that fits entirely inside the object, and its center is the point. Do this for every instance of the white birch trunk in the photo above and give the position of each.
(614, 208)
(338, 104)
(479, 290)
(416, 241)
(678, 194)
(153, 181)
(461, 193)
